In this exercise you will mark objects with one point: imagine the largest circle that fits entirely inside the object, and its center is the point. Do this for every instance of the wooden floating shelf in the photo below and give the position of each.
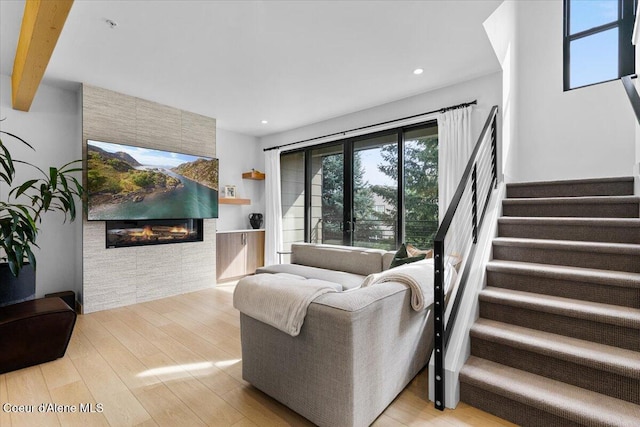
(234, 201)
(259, 176)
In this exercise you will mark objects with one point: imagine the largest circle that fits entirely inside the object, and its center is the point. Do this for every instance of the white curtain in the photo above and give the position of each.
(273, 209)
(454, 149)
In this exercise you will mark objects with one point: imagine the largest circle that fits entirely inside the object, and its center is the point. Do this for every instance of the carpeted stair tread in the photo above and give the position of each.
(577, 274)
(570, 188)
(620, 230)
(603, 313)
(607, 179)
(571, 200)
(563, 220)
(570, 245)
(567, 401)
(603, 255)
(580, 206)
(586, 353)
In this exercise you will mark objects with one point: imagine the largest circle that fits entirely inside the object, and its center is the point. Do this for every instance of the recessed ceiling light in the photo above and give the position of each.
(418, 71)
(264, 122)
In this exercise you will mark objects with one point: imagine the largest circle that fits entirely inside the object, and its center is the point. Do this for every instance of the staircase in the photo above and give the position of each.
(558, 338)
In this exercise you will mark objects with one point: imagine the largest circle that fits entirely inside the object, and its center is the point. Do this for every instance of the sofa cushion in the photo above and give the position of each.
(288, 276)
(347, 280)
(341, 258)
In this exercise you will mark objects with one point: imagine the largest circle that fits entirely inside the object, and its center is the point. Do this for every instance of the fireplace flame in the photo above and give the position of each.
(146, 232)
(182, 230)
(151, 234)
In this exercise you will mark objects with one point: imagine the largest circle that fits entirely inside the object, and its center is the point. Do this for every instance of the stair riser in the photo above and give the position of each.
(600, 260)
(603, 333)
(624, 188)
(581, 210)
(605, 294)
(615, 385)
(571, 232)
(508, 409)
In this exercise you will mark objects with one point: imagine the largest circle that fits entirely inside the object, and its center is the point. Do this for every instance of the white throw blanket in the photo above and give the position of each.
(417, 275)
(278, 301)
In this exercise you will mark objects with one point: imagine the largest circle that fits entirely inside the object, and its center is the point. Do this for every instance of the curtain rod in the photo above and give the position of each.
(440, 110)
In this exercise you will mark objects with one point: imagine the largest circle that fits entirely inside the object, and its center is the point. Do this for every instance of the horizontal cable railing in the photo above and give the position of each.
(379, 233)
(456, 238)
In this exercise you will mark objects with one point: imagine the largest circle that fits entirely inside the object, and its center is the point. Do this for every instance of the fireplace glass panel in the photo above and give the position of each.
(153, 232)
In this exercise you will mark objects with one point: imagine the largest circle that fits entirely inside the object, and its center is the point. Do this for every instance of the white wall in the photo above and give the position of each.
(583, 133)
(501, 30)
(54, 127)
(487, 90)
(239, 153)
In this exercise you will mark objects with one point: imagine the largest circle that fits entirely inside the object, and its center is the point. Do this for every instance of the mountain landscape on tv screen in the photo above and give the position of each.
(137, 183)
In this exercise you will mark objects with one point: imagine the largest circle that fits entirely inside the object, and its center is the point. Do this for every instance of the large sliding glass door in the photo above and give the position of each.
(327, 195)
(374, 216)
(355, 190)
(420, 186)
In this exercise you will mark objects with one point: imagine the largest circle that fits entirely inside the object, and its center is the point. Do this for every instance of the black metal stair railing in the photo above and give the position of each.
(632, 93)
(457, 237)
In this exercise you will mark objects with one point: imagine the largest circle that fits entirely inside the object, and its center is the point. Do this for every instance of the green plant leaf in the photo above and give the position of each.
(64, 167)
(63, 181)
(53, 176)
(7, 164)
(24, 187)
(18, 138)
(13, 266)
(31, 257)
(54, 191)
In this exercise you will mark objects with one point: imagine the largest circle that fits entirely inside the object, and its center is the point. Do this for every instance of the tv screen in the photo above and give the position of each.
(133, 183)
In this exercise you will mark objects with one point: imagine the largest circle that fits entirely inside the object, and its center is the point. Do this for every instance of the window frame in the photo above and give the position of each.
(626, 49)
(347, 144)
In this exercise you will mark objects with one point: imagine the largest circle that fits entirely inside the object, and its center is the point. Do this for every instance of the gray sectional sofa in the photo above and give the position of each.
(356, 351)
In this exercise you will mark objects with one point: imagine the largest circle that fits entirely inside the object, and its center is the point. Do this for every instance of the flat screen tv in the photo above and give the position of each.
(134, 183)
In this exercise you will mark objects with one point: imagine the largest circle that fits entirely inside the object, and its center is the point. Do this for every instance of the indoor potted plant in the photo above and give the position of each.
(22, 208)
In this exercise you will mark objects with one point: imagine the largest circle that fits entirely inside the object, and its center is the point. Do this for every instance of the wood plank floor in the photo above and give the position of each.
(176, 362)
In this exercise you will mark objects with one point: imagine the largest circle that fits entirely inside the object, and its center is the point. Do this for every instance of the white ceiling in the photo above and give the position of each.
(290, 62)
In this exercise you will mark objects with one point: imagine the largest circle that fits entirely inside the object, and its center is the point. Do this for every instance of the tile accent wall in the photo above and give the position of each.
(123, 276)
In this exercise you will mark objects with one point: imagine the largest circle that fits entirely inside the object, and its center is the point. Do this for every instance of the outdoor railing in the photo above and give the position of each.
(379, 233)
(457, 236)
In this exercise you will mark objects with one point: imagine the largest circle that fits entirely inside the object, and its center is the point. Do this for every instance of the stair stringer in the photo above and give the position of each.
(459, 348)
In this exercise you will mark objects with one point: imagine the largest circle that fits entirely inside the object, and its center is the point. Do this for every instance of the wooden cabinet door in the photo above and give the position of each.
(255, 250)
(231, 255)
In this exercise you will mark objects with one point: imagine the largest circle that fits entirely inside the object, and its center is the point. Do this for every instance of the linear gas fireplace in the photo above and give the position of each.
(153, 232)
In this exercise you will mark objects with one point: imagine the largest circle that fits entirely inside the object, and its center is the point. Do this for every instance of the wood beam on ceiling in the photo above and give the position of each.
(41, 26)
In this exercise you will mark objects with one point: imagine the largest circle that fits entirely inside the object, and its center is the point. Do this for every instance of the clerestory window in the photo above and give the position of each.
(597, 41)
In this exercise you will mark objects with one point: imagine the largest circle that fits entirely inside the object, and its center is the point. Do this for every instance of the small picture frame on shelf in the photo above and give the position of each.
(229, 192)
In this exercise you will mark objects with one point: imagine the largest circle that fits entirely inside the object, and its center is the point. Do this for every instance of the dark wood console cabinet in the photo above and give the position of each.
(238, 253)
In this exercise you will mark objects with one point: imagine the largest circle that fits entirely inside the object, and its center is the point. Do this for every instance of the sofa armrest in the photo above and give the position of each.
(346, 280)
(358, 299)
